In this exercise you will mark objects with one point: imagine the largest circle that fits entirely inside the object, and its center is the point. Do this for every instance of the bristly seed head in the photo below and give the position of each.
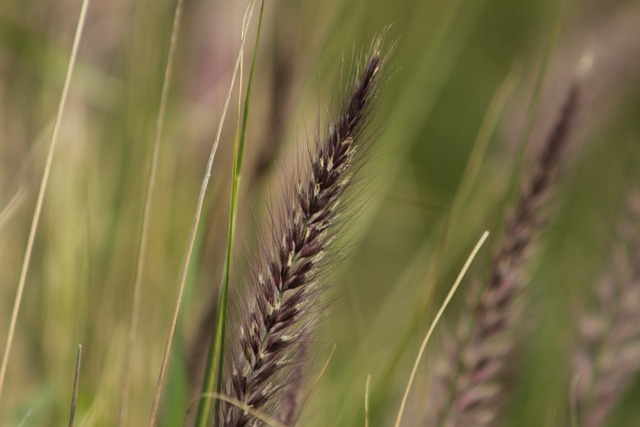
(290, 274)
(468, 391)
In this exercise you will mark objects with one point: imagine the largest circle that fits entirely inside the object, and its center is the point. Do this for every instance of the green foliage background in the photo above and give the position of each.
(449, 61)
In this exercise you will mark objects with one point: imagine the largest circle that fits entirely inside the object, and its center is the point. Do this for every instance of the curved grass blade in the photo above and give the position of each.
(433, 325)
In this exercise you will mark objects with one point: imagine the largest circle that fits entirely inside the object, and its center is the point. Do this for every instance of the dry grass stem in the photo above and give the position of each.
(148, 194)
(41, 193)
(366, 401)
(194, 226)
(434, 323)
(76, 382)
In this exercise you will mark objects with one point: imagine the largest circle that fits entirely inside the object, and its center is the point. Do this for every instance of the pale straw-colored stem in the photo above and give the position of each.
(366, 401)
(43, 189)
(76, 382)
(433, 325)
(194, 229)
(142, 241)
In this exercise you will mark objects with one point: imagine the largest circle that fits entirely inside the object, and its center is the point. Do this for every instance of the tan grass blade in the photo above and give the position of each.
(194, 226)
(76, 381)
(366, 401)
(255, 413)
(433, 325)
(142, 241)
(41, 193)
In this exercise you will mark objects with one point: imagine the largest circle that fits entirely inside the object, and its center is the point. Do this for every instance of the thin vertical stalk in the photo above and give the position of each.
(148, 194)
(42, 192)
(366, 401)
(76, 381)
(215, 362)
(193, 231)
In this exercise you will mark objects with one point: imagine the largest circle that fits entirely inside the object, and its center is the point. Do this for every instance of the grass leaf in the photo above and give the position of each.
(213, 370)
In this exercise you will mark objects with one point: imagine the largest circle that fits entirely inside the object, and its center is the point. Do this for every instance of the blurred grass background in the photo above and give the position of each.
(451, 57)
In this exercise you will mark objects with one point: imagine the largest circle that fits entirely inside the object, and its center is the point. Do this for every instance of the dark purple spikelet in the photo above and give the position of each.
(608, 355)
(469, 387)
(288, 276)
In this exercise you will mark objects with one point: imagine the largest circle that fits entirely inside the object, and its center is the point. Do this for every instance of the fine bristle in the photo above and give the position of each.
(288, 276)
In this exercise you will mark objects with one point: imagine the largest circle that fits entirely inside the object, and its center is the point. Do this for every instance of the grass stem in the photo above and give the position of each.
(193, 231)
(41, 193)
(433, 325)
(148, 194)
(215, 362)
(76, 381)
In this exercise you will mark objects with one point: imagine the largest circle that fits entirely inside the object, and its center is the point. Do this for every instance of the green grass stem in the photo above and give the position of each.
(215, 362)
